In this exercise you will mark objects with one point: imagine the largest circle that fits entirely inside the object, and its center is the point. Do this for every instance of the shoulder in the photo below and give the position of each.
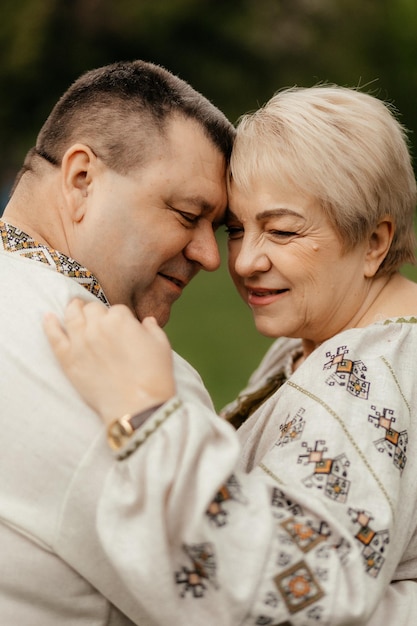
(38, 283)
(190, 386)
(279, 356)
(392, 337)
(371, 363)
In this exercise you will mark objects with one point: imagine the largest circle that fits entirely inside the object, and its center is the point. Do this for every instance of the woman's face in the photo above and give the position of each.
(288, 263)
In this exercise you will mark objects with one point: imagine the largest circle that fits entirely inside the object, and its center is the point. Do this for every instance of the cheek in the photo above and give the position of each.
(231, 260)
(314, 264)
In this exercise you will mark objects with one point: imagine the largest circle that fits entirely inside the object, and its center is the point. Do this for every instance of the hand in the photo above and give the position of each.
(116, 363)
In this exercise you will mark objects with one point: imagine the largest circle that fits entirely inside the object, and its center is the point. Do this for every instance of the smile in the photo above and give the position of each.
(176, 281)
(265, 292)
(262, 297)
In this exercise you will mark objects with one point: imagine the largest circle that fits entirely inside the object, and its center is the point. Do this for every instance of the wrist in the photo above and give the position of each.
(130, 404)
(121, 430)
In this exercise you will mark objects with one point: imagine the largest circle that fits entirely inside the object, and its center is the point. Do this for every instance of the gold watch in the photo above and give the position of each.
(121, 430)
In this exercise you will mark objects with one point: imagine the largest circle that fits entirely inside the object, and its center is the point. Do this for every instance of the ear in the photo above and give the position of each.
(78, 169)
(379, 243)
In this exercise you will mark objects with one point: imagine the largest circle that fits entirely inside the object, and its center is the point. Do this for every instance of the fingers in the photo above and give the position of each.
(115, 362)
(55, 333)
(74, 309)
(85, 323)
(64, 336)
(150, 323)
(79, 314)
(152, 327)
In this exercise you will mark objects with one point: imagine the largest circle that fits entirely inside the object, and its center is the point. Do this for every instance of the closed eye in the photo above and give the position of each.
(283, 233)
(191, 218)
(234, 232)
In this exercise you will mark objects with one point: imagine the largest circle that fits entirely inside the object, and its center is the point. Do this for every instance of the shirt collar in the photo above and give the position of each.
(15, 241)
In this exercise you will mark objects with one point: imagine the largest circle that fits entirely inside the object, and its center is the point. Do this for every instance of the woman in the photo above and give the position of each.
(316, 514)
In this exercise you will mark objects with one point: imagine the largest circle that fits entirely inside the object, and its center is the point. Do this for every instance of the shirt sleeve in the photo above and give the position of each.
(311, 535)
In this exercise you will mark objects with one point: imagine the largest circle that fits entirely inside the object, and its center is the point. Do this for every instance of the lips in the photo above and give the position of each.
(264, 292)
(173, 279)
(262, 297)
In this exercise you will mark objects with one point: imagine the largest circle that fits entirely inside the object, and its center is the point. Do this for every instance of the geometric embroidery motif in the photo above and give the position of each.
(304, 534)
(343, 549)
(15, 241)
(349, 374)
(373, 542)
(291, 429)
(262, 620)
(298, 587)
(394, 442)
(231, 490)
(330, 475)
(203, 568)
(280, 501)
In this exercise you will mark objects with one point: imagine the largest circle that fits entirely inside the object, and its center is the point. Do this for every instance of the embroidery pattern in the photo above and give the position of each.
(231, 490)
(373, 542)
(305, 534)
(402, 320)
(298, 587)
(280, 501)
(291, 429)
(394, 442)
(347, 373)
(330, 475)
(269, 621)
(204, 568)
(15, 241)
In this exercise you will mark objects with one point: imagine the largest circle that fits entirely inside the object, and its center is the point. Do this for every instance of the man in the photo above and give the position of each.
(118, 200)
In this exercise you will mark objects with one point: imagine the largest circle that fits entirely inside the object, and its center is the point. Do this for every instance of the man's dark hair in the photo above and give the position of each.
(121, 110)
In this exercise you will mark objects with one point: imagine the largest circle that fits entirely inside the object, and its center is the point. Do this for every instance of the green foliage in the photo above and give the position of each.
(236, 52)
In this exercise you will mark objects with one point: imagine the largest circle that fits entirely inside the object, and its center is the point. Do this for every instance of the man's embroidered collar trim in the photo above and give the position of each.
(18, 242)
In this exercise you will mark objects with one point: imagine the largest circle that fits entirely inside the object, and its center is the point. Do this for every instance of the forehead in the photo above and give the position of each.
(186, 135)
(186, 167)
(265, 192)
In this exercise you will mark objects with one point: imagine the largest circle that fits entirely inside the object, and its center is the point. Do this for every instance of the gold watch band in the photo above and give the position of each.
(121, 430)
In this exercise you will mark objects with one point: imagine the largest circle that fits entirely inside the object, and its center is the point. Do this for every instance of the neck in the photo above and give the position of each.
(388, 296)
(372, 307)
(33, 213)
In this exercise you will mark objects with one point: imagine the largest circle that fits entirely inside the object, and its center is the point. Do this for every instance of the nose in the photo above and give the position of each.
(203, 248)
(249, 259)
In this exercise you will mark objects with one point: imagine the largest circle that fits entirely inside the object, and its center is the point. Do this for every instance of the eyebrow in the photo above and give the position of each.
(277, 213)
(196, 201)
(267, 214)
(204, 206)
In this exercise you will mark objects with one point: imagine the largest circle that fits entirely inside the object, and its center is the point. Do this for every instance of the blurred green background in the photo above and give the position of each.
(238, 53)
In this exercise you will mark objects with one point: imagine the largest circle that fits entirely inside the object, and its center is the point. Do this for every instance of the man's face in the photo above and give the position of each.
(145, 235)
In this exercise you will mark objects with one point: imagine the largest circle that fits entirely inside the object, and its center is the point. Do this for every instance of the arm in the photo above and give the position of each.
(278, 544)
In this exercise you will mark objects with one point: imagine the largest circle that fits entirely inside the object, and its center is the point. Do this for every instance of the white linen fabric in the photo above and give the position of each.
(309, 529)
(47, 432)
(182, 530)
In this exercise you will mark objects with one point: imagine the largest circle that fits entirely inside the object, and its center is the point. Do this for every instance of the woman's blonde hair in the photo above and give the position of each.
(341, 146)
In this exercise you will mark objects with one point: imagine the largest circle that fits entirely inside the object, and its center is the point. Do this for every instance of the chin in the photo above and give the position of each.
(162, 317)
(268, 328)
